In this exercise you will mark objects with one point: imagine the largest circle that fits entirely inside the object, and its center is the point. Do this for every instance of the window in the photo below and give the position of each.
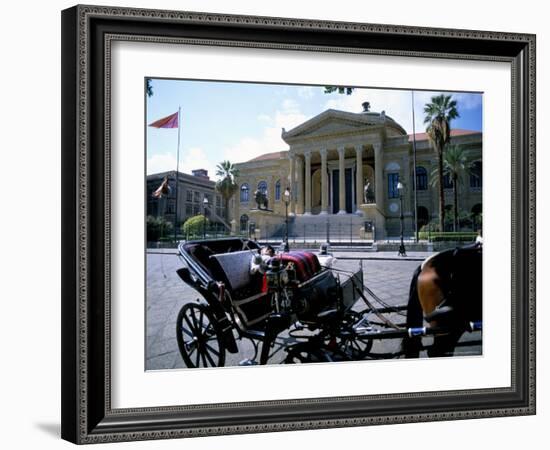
(447, 182)
(421, 179)
(196, 196)
(171, 207)
(244, 223)
(262, 187)
(188, 209)
(278, 190)
(245, 193)
(476, 175)
(393, 179)
(189, 194)
(423, 216)
(477, 211)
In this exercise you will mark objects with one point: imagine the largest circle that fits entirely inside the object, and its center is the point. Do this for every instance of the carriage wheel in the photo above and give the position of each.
(352, 344)
(198, 341)
(356, 348)
(308, 352)
(297, 356)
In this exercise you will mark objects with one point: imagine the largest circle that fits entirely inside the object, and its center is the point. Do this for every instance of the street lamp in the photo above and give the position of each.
(286, 197)
(400, 188)
(204, 205)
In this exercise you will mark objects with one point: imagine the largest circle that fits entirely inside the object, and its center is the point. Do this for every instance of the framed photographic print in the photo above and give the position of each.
(283, 224)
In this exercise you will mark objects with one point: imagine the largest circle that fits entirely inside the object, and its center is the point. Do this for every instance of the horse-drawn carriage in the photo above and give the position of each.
(323, 312)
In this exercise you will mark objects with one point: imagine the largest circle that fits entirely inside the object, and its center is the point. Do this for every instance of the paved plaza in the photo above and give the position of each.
(387, 276)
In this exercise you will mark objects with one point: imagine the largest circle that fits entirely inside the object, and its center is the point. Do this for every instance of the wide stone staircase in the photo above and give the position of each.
(311, 230)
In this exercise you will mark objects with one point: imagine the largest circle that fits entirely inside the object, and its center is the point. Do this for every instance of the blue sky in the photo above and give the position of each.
(239, 121)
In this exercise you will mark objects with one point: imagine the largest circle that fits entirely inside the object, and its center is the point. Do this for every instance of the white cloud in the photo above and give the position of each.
(306, 92)
(468, 101)
(342, 102)
(290, 106)
(190, 159)
(161, 163)
(269, 140)
(396, 104)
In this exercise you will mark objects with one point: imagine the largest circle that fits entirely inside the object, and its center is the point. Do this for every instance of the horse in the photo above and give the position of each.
(446, 291)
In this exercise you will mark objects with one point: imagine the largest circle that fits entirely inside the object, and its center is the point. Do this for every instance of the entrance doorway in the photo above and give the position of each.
(348, 184)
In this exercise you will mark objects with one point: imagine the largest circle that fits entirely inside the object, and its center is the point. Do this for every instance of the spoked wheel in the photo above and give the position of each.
(313, 352)
(198, 341)
(349, 339)
(356, 347)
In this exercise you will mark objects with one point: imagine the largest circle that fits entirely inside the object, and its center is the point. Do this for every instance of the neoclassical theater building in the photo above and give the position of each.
(340, 164)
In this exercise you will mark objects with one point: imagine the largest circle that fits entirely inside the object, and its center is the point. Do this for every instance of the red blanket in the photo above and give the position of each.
(306, 263)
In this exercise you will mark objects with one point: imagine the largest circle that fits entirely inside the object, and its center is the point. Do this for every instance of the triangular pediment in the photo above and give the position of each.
(331, 126)
(332, 122)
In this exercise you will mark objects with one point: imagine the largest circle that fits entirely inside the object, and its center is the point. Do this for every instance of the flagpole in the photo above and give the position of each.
(414, 174)
(177, 178)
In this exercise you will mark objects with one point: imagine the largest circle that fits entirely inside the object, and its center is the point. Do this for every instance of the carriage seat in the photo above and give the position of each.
(235, 268)
(251, 303)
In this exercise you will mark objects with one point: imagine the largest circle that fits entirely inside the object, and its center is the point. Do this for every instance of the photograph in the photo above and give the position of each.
(292, 223)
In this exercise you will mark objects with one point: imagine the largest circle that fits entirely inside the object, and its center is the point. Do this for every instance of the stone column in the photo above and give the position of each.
(342, 181)
(406, 179)
(378, 177)
(308, 182)
(379, 192)
(324, 182)
(300, 186)
(291, 206)
(359, 180)
(270, 192)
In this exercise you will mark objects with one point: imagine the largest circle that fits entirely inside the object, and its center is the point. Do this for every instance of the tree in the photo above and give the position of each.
(438, 116)
(226, 184)
(149, 88)
(195, 226)
(339, 89)
(157, 228)
(454, 166)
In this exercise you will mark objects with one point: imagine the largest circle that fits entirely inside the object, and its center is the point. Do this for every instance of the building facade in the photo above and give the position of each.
(192, 190)
(340, 164)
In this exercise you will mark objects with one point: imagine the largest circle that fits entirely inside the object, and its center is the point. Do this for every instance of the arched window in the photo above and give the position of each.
(477, 209)
(244, 223)
(278, 190)
(421, 179)
(447, 182)
(476, 175)
(423, 216)
(393, 179)
(245, 193)
(262, 187)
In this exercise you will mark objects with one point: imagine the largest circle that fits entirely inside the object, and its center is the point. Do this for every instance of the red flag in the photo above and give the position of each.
(170, 121)
(163, 189)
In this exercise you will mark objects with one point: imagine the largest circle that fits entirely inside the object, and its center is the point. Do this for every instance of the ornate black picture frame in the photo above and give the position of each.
(87, 34)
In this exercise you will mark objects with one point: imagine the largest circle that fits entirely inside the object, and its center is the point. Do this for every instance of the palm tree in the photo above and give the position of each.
(454, 165)
(149, 88)
(226, 184)
(438, 116)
